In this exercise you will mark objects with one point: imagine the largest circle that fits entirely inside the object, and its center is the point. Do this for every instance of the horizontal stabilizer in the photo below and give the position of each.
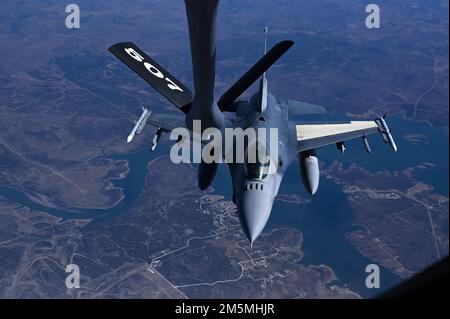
(296, 108)
(254, 73)
(154, 74)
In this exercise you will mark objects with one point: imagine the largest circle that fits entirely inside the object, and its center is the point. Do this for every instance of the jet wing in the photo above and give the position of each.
(166, 122)
(310, 136)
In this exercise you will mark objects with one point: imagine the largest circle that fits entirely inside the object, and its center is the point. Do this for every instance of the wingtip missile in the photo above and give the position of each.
(386, 132)
(139, 124)
(132, 133)
(394, 147)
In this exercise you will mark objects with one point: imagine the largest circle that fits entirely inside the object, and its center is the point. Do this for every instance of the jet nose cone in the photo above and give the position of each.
(254, 207)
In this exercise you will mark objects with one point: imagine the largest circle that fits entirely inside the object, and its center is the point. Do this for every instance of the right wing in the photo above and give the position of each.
(311, 136)
(154, 74)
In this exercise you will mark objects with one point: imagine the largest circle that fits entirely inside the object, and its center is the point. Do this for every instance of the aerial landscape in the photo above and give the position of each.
(72, 191)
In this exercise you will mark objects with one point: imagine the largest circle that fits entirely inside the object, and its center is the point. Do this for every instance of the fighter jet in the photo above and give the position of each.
(255, 186)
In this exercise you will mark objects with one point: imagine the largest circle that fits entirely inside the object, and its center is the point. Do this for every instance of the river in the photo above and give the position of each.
(324, 220)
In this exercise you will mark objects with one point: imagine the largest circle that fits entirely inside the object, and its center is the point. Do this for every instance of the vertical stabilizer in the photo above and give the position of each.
(254, 73)
(263, 84)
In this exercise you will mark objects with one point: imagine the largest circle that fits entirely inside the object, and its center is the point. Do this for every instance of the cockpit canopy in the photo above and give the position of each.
(256, 166)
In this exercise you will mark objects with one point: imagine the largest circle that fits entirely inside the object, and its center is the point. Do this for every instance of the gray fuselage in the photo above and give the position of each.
(254, 194)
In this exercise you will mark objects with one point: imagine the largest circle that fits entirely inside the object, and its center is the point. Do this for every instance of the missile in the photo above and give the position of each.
(138, 127)
(341, 146)
(156, 138)
(366, 144)
(385, 138)
(386, 132)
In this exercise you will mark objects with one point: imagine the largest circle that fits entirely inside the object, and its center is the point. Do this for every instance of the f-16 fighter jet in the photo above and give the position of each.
(255, 183)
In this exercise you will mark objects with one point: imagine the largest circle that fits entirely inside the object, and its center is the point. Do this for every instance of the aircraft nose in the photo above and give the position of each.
(254, 205)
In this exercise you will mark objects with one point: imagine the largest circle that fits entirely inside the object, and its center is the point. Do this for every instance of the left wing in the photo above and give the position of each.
(166, 122)
(311, 136)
